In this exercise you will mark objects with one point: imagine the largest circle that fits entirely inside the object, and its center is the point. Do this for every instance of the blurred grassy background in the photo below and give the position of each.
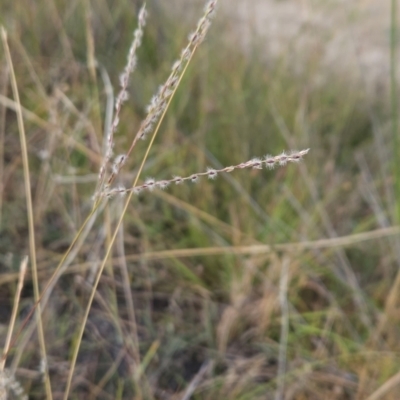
(313, 314)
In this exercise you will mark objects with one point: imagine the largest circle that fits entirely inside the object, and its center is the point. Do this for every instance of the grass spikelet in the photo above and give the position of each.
(256, 163)
(121, 98)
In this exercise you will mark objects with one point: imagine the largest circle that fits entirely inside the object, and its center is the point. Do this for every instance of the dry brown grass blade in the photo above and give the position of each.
(343, 241)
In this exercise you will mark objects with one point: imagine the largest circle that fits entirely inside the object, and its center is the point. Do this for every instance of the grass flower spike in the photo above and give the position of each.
(256, 163)
(121, 98)
(159, 102)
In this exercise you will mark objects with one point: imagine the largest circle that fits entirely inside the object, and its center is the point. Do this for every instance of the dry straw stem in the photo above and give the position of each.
(156, 113)
(120, 247)
(283, 300)
(387, 387)
(32, 245)
(255, 163)
(7, 379)
(22, 272)
(198, 378)
(3, 92)
(295, 247)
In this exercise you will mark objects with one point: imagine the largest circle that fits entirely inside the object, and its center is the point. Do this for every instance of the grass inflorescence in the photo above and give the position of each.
(247, 285)
(211, 173)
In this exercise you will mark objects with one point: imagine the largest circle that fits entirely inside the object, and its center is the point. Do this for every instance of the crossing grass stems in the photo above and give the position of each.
(111, 167)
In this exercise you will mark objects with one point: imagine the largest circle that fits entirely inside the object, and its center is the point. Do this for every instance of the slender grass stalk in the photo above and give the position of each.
(22, 271)
(90, 46)
(298, 247)
(387, 387)
(91, 62)
(392, 296)
(3, 109)
(127, 292)
(151, 352)
(394, 104)
(198, 378)
(283, 287)
(108, 375)
(31, 227)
